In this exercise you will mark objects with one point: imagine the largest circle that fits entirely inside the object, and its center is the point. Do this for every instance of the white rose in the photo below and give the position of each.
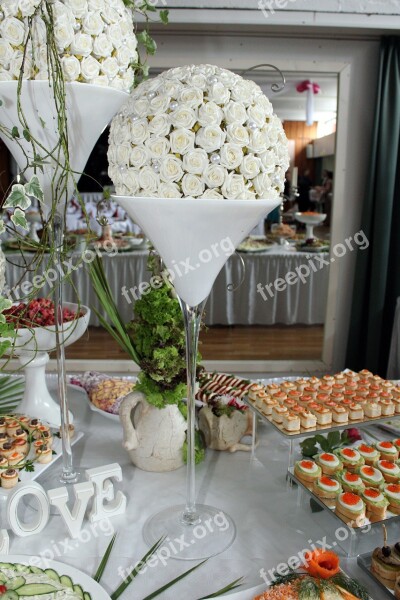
(237, 134)
(123, 154)
(181, 141)
(61, 11)
(158, 147)
(6, 53)
(210, 138)
(123, 56)
(191, 97)
(171, 169)
(41, 58)
(93, 23)
(263, 184)
(63, 33)
(100, 80)
(258, 142)
(243, 92)
(16, 65)
(231, 156)
(90, 68)
(149, 180)
(235, 113)
(183, 117)
(96, 5)
(263, 102)
(78, 7)
(160, 125)
(138, 131)
(210, 114)
(248, 195)
(102, 46)
(250, 167)
(234, 186)
(172, 88)
(131, 181)
(71, 67)
(139, 156)
(257, 114)
(27, 7)
(38, 33)
(131, 42)
(126, 26)
(110, 15)
(5, 76)
(140, 106)
(42, 75)
(268, 161)
(214, 176)
(13, 31)
(213, 194)
(219, 93)
(192, 185)
(159, 104)
(82, 44)
(169, 190)
(10, 8)
(199, 81)
(128, 79)
(195, 161)
(115, 35)
(110, 67)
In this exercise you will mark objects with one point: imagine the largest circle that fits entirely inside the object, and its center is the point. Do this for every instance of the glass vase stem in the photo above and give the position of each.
(68, 471)
(192, 319)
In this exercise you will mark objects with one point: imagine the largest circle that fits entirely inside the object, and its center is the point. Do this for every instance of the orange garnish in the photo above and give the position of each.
(394, 487)
(369, 471)
(371, 493)
(328, 457)
(349, 452)
(396, 442)
(351, 477)
(386, 445)
(307, 464)
(365, 448)
(386, 464)
(328, 481)
(350, 499)
(322, 563)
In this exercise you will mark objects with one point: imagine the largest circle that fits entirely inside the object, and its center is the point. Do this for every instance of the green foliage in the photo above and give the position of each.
(156, 395)
(334, 440)
(199, 448)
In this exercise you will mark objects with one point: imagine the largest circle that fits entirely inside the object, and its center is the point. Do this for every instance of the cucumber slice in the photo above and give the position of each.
(4, 565)
(22, 568)
(15, 583)
(3, 578)
(35, 589)
(87, 596)
(36, 570)
(52, 574)
(67, 581)
(78, 590)
(9, 595)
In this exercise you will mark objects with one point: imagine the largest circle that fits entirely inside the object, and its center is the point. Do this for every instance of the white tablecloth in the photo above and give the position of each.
(270, 526)
(301, 303)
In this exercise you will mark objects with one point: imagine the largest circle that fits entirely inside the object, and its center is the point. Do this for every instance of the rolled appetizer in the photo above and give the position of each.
(351, 482)
(350, 508)
(330, 464)
(307, 471)
(3, 425)
(375, 502)
(371, 476)
(392, 493)
(390, 471)
(327, 488)
(15, 458)
(388, 451)
(9, 479)
(369, 454)
(350, 458)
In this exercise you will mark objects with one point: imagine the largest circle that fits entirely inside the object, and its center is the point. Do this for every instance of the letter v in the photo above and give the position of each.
(59, 498)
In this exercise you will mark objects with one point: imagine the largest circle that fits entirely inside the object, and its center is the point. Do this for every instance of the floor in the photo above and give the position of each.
(223, 343)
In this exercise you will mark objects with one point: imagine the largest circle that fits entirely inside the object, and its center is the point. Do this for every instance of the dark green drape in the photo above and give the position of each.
(377, 278)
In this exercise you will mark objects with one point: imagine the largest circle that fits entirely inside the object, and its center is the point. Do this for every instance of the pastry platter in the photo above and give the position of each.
(256, 243)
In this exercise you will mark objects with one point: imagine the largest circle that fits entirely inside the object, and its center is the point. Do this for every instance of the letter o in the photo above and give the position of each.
(208, 253)
(203, 530)
(335, 250)
(22, 529)
(346, 534)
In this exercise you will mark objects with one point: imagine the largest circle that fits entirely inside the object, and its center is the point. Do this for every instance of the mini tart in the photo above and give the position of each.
(254, 390)
(362, 391)
(280, 396)
(259, 397)
(337, 388)
(329, 463)
(268, 405)
(310, 391)
(396, 443)
(388, 451)
(340, 414)
(23, 420)
(386, 391)
(71, 431)
(15, 458)
(3, 425)
(372, 408)
(44, 455)
(20, 433)
(328, 379)
(323, 414)
(272, 388)
(12, 427)
(396, 392)
(294, 395)
(350, 507)
(3, 464)
(278, 412)
(386, 568)
(360, 400)
(326, 487)
(9, 479)
(337, 397)
(324, 388)
(349, 394)
(369, 454)
(20, 445)
(350, 458)
(322, 398)
(305, 400)
(6, 449)
(390, 471)
(307, 470)
(32, 425)
(351, 482)
(396, 402)
(302, 383)
(392, 493)
(286, 386)
(291, 422)
(356, 411)
(375, 502)
(387, 408)
(39, 431)
(365, 373)
(308, 420)
(371, 476)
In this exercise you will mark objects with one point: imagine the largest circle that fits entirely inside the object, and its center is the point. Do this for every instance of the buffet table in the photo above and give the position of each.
(300, 303)
(271, 527)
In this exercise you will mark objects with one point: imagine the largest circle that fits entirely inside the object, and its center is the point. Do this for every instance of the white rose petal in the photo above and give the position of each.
(234, 186)
(171, 169)
(123, 154)
(138, 131)
(110, 15)
(213, 194)
(158, 147)
(149, 180)
(231, 156)
(160, 125)
(78, 7)
(235, 113)
(82, 44)
(6, 53)
(263, 185)
(102, 46)
(259, 142)
(90, 68)
(251, 166)
(100, 80)
(13, 31)
(192, 185)
(64, 34)
(182, 141)
(93, 23)
(110, 67)
(195, 161)
(210, 138)
(210, 114)
(96, 5)
(191, 97)
(71, 67)
(169, 190)
(183, 117)
(219, 93)
(214, 176)
(131, 181)
(139, 156)
(237, 134)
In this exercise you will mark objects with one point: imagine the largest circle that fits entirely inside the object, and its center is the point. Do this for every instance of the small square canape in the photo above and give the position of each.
(291, 422)
(278, 412)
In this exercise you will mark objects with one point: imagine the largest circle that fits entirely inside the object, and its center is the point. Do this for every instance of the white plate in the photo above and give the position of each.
(87, 583)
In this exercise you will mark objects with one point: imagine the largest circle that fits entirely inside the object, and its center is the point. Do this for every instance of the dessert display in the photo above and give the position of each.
(24, 442)
(319, 578)
(329, 402)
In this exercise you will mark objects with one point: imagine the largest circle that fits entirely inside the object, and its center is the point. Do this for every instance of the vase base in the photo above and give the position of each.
(212, 531)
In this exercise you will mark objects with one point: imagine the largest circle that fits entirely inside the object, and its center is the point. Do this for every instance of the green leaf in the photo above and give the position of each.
(147, 7)
(105, 559)
(145, 38)
(26, 135)
(42, 122)
(171, 583)
(5, 304)
(334, 438)
(18, 197)
(164, 16)
(1, 102)
(33, 188)
(4, 348)
(231, 586)
(18, 218)
(15, 132)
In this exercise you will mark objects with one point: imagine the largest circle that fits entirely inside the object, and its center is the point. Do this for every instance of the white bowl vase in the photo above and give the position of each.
(310, 221)
(32, 346)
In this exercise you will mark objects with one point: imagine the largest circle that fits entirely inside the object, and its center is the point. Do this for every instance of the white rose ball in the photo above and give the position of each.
(93, 24)
(210, 114)
(90, 68)
(210, 138)
(235, 113)
(6, 53)
(195, 161)
(251, 166)
(102, 46)
(214, 176)
(192, 185)
(139, 156)
(71, 67)
(160, 125)
(234, 186)
(149, 180)
(13, 31)
(171, 169)
(110, 67)
(182, 141)
(237, 134)
(231, 156)
(169, 190)
(158, 147)
(82, 44)
(183, 117)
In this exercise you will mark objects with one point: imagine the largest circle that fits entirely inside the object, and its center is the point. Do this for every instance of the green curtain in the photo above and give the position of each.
(377, 278)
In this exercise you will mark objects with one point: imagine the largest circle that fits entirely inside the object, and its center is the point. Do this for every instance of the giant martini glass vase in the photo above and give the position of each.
(194, 237)
(87, 109)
